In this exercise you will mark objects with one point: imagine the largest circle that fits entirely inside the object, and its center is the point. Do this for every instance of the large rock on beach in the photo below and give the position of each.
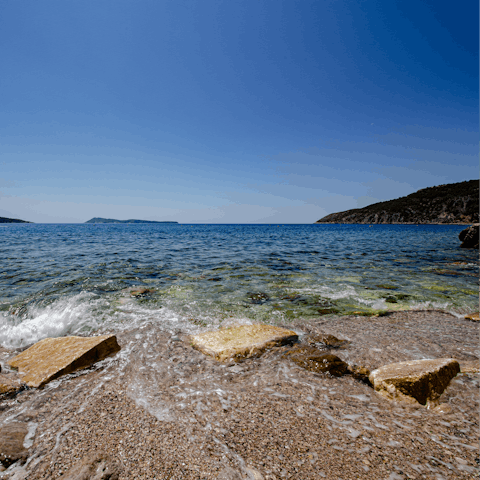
(313, 359)
(237, 343)
(469, 237)
(96, 467)
(52, 357)
(416, 380)
(12, 437)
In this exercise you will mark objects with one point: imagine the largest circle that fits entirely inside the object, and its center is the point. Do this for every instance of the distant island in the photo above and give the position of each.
(12, 220)
(111, 220)
(451, 203)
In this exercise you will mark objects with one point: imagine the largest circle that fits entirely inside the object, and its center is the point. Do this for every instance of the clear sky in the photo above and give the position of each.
(225, 111)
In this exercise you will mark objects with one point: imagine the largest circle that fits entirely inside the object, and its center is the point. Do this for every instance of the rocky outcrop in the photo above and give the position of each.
(52, 357)
(417, 380)
(453, 203)
(469, 237)
(237, 343)
(12, 437)
(96, 467)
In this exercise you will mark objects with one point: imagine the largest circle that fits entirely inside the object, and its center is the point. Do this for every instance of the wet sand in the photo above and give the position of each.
(162, 410)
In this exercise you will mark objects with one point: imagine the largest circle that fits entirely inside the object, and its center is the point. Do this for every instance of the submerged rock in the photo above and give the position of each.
(229, 473)
(52, 357)
(258, 298)
(360, 373)
(313, 359)
(12, 437)
(140, 292)
(328, 340)
(416, 380)
(10, 384)
(237, 343)
(98, 467)
(469, 237)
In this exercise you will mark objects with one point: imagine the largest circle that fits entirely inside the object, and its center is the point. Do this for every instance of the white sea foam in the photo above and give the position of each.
(66, 315)
(85, 313)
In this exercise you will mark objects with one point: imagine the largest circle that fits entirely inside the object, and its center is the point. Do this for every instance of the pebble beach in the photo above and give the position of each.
(172, 412)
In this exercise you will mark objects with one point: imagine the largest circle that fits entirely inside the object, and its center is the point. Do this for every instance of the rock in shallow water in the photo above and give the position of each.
(328, 340)
(474, 317)
(97, 467)
(140, 292)
(12, 437)
(315, 360)
(229, 473)
(52, 357)
(416, 380)
(10, 384)
(360, 373)
(237, 343)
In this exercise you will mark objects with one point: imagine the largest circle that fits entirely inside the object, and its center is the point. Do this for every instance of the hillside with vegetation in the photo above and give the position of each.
(12, 220)
(112, 220)
(451, 203)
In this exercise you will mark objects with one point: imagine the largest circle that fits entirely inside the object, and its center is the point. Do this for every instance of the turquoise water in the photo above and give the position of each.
(59, 279)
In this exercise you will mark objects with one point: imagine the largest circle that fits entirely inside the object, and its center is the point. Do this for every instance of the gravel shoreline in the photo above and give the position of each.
(161, 410)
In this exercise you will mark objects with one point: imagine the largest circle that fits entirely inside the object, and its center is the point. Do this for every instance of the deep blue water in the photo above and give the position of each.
(66, 278)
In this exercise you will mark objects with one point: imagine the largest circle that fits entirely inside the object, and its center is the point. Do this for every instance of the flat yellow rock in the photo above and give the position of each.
(475, 317)
(52, 357)
(415, 380)
(246, 341)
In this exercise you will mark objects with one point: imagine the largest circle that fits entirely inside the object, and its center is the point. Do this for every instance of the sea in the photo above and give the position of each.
(85, 279)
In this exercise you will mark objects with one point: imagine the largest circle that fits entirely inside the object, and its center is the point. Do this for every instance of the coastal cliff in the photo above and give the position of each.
(452, 203)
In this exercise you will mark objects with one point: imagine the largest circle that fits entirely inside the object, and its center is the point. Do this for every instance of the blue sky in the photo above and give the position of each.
(232, 111)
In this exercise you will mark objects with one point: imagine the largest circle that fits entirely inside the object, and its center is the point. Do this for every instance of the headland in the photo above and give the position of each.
(455, 203)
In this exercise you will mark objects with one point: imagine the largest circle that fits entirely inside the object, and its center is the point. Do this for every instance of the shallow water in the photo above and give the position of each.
(63, 279)
(203, 415)
(158, 394)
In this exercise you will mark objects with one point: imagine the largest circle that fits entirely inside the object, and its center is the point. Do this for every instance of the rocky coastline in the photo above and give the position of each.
(455, 203)
(312, 399)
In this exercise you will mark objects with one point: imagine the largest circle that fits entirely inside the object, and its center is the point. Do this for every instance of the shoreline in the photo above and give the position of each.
(160, 409)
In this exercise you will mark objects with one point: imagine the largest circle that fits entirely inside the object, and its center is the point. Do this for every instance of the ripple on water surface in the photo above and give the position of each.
(60, 279)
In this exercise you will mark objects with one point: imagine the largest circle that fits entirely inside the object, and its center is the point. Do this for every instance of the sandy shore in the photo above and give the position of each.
(161, 410)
